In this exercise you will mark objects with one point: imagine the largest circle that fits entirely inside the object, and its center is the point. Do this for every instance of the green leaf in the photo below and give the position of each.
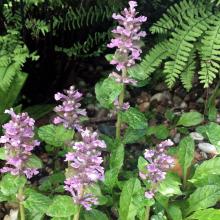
(8, 99)
(61, 207)
(107, 92)
(206, 214)
(133, 135)
(50, 183)
(37, 203)
(142, 163)
(94, 214)
(134, 118)
(35, 216)
(209, 179)
(186, 153)
(3, 197)
(116, 162)
(109, 57)
(159, 216)
(170, 186)
(2, 154)
(213, 133)
(174, 212)
(160, 131)
(203, 198)
(127, 207)
(34, 162)
(137, 72)
(96, 191)
(10, 184)
(190, 119)
(55, 135)
(207, 168)
(68, 218)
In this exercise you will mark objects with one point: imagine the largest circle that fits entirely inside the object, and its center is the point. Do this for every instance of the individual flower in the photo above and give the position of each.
(127, 37)
(85, 164)
(18, 140)
(69, 112)
(125, 106)
(159, 164)
(123, 80)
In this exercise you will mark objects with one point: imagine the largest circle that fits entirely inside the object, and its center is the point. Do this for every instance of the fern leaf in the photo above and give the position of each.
(84, 16)
(188, 73)
(82, 49)
(13, 55)
(181, 45)
(210, 54)
(150, 62)
(174, 16)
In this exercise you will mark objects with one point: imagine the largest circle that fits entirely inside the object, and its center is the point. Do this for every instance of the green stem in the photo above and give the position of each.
(21, 207)
(147, 213)
(76, 216)
(120, 102)
(184, 182)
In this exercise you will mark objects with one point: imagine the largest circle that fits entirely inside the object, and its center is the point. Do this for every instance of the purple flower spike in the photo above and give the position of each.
(18, 140)
(70, 111)
(159, 163)
(85, 162)
(127, 37)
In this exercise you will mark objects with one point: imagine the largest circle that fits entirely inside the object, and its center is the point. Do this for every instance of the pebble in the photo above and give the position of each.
(13, 215)
(196, 136)
(177, 100)
(176, 138)
(183, 105)
(161, 96)
(143, 107)
(208, 148)
(160, 87)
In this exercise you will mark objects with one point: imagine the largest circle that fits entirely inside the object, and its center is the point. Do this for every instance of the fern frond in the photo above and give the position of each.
(13, 54)
(78, 17)
(188, 73)
(174, 16)
(210, 54)
(12, 17)
(150, 62)
(181, 45)
(82, 49)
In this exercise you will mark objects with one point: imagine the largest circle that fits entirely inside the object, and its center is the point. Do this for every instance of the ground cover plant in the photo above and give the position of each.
(137, 145)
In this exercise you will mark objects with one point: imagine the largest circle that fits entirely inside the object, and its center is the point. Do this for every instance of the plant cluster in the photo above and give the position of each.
(91, 177)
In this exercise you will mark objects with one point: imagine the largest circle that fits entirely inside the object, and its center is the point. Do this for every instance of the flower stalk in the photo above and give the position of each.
(76, 216)
(127, 41)
(20, 200)
(147, 213)
(120, 102)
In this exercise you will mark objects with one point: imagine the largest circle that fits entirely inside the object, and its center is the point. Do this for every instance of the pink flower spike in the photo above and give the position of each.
(18, 140)
(127, 37)
(69, 112)
(85, 162)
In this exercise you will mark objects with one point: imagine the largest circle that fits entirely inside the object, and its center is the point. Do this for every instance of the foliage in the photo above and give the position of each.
(53, 17)
(190, 33)
(178, 181)
(13, 55)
